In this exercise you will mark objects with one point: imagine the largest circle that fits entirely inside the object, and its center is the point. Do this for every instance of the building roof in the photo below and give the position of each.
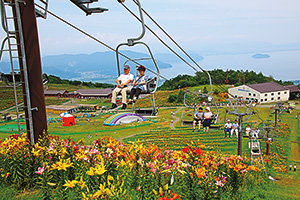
(267, 87)
(56, 92)
(60, 107)
(293, 88)
(95, 92)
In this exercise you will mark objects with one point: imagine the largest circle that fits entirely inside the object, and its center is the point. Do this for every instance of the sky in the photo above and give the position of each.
(202, 26)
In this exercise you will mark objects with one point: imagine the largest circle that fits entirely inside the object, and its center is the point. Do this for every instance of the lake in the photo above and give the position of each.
(282, 65)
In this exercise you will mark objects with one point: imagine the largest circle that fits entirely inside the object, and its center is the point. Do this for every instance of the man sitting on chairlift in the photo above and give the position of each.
(139, 84)
(123, 86)
(198, 118)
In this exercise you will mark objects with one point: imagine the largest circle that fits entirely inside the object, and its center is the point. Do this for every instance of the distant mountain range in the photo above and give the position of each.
(98, 66)
(296, 82)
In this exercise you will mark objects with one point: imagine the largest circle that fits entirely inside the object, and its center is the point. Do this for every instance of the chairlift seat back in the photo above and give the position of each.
(8, 79)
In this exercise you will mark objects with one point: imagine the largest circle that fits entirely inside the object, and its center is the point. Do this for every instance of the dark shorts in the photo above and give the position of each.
(206, 123)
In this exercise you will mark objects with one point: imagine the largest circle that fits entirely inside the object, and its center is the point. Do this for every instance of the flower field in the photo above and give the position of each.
(108, 169)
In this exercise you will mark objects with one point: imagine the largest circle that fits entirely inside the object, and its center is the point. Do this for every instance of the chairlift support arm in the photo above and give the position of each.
(84, 5)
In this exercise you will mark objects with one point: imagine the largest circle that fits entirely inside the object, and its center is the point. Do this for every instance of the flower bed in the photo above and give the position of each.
(109, 169)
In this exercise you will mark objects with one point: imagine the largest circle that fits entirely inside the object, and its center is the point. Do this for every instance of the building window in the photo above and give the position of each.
(254, 95)
(266, 99)
(272, 94)
(261, 100)
(278, 93)
(285, 92)
(272, 99)
(278, 98)
(266, 95)
(249, 94)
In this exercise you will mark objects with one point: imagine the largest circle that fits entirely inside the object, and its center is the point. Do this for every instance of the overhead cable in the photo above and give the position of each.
(148, 15)
(92, 37)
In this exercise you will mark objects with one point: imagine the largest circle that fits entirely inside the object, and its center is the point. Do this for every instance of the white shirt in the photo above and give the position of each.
(228, 125)
(207, 115)
(123, 78)
(235, 125)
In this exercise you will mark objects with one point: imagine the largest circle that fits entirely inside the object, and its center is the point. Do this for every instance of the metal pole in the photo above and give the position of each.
(25, 72)
(239, 143)
(276, 111)
(268, 144)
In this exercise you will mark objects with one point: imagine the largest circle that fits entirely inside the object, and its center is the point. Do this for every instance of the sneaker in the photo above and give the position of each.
(193, 130)
(113, 106)
(130, 101)
(124, 106)
(198, 130)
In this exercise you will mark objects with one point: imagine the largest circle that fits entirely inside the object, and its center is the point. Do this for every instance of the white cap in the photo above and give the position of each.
(207, 108)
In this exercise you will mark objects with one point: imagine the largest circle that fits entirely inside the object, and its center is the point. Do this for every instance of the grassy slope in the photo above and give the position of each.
(158, 131)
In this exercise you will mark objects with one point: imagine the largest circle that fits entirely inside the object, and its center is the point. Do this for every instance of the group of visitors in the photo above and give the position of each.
(231, 128)
(204, 118)
(126, 83)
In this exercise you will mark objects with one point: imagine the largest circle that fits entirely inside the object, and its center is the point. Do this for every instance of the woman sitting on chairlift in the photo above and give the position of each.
(139, 84)
(207, 119)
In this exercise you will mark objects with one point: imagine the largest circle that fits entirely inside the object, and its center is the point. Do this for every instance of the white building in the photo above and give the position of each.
(261, 92)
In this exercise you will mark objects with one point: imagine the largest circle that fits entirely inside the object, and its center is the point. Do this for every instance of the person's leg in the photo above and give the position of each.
(115, 92)
(231, 133)
(194, 125)
(199, 126)
(132, 92)
(225, 131)
(137, 92)
(124, 94)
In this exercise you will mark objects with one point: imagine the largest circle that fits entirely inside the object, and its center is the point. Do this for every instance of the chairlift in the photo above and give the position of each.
(152, 83)
(12, 79)
(151, 87)
(200, 100)
(45, 79)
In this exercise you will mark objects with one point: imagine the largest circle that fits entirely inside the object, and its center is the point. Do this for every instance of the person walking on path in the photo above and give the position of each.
(227, 128)
(123, 86)
(198, 118)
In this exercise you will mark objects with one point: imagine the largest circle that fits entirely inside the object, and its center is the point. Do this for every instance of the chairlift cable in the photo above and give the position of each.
(158, 37)
(220, 86)
(210, 78)
(92, 37)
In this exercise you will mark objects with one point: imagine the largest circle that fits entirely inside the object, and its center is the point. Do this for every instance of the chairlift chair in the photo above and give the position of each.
(151, 87)
(152, 84)
(198, 100)
(12, 79)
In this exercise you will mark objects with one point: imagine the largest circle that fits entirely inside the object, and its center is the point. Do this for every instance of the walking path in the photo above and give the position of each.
(176, 118)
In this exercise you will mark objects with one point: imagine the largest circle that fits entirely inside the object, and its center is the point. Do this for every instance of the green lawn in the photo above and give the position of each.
(157, 131)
